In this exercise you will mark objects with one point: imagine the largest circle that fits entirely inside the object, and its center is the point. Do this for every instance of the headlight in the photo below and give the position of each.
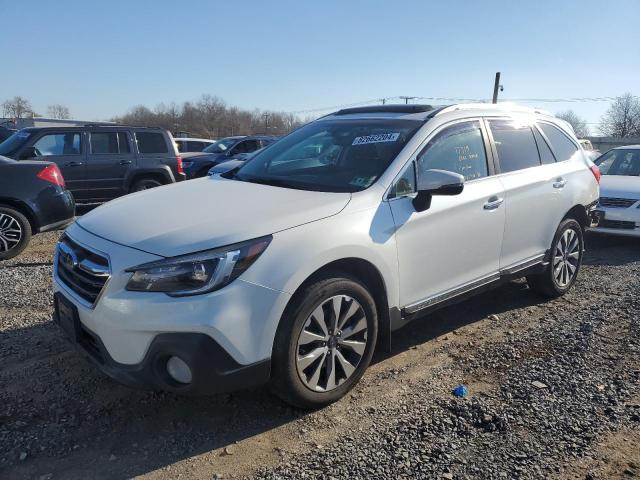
(197, 273)
(186, 164)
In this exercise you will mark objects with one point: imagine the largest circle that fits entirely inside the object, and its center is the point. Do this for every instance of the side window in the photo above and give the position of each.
(560, 143)
(151, 142)
(546, 155)
(109, 143)
(104, 142)
(123, 142)
(247, 146)
(195, 146)
(406, 184)
(180, 144)
(515, 144)
(459, 149)
(58, 144)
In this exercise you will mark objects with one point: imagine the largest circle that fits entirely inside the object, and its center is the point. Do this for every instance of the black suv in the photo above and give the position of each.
(101, 162)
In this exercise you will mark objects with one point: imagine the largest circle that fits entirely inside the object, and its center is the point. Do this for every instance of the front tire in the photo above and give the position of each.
(15, 233)
(565, 261)
(324, 343)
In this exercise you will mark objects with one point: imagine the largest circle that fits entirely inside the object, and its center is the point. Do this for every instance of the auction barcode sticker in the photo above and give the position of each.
(379, 138)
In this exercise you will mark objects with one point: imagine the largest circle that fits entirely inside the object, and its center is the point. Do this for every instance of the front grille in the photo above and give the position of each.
(83, 271)
(621, 224)
(612, 202)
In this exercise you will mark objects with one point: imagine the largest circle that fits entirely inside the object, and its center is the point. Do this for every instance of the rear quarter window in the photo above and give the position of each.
(563, 148)
(151, 142)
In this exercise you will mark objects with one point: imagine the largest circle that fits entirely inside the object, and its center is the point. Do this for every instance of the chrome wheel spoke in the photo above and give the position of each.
(308, 359)
(356, 346)
(10, 232)
(347, 367)
(331, 343)
(307, 337)
(359, 326)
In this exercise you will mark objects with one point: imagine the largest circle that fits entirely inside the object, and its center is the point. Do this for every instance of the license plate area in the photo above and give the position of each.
(66, 315)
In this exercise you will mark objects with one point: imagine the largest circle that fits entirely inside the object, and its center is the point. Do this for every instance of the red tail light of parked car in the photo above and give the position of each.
(52, 174)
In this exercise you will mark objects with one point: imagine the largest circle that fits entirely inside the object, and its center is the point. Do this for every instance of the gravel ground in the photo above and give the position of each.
(553, 391)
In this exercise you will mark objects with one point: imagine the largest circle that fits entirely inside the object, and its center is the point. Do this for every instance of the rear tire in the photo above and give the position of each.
(565, 260)
(145, 184)
(319, 356)
(15, 233)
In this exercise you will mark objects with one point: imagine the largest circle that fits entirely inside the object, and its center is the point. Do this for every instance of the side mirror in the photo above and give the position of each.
(436, 182)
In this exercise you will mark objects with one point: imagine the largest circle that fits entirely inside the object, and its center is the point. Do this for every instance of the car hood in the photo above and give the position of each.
(210, 212)
(620, 186)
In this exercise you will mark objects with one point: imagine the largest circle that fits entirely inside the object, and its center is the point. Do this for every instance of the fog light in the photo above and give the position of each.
(179, 370)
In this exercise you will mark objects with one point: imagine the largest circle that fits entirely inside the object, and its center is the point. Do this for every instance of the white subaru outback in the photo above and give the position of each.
(290, 269)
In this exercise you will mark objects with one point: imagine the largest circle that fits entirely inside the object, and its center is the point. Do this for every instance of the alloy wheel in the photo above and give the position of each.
(332, 343)
(10, 232)
(566, 258)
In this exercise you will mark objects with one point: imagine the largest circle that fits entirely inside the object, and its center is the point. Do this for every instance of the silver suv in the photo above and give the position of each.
(321, 245)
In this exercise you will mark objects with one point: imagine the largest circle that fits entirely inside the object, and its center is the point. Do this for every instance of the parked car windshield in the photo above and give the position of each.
(12, 144)
(331, 155)
(620, 162)
(221, 146)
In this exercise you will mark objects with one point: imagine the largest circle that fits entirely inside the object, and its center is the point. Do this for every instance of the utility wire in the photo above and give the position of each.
(455, 99)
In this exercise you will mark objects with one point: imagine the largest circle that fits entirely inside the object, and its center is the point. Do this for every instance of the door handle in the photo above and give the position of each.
(559, 183)
(125, 162)
(493, 203)
(73, 164)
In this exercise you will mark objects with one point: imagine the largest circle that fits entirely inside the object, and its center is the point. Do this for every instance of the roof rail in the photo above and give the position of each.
(122, 125)
(504, 106)
(401, 108)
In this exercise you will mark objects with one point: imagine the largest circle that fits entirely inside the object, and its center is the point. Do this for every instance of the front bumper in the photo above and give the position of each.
(225, 336)
(213, 369)
(616, 221)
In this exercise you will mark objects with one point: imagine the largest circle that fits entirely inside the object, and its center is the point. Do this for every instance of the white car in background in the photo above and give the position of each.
(186, 145)
(295, 266)
(619, 204)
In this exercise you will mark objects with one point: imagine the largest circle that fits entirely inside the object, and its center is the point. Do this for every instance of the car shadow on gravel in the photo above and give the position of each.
(510, 296)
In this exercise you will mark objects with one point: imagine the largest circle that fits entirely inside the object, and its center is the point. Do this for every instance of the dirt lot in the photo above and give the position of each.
(554, 391)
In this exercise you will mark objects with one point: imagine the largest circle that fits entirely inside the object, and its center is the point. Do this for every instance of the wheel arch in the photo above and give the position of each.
(369, 275)
(24, 209)
(579, 213)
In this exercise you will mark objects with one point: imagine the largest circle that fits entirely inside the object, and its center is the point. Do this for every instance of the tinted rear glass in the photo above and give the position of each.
(560, 143)
(516, 146)
(151, 142)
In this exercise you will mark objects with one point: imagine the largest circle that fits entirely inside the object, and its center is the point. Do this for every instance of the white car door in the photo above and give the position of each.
(455, 244)
(532, 202)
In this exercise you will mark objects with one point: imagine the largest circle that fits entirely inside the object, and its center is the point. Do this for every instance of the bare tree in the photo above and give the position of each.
(58, 111)
(622, 119)
(210, 117)
(17, 107)
(579, 124)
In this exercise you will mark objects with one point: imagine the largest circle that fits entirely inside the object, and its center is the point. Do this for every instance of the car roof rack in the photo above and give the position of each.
(400, 108)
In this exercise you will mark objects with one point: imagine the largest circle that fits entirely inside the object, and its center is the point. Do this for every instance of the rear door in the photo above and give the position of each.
(531, 201)
(68, 150)
(109, 162)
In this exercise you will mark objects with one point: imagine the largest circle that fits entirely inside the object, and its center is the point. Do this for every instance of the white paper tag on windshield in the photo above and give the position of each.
(379, 138)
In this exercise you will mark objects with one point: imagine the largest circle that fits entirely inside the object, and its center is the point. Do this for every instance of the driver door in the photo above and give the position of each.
(454, 245)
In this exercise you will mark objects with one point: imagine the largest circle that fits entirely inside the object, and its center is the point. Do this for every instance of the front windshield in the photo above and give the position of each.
(220, 146)
(620, 162)
(12, 144)
(331, 155)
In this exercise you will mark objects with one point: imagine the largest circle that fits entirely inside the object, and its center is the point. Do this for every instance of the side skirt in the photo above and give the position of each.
(405, 315)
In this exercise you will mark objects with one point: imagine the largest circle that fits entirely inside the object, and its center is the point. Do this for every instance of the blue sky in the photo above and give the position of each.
(101, 58)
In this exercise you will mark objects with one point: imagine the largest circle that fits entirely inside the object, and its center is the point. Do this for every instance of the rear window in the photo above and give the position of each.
(516, 145)
(560, 143)
(151, 142)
